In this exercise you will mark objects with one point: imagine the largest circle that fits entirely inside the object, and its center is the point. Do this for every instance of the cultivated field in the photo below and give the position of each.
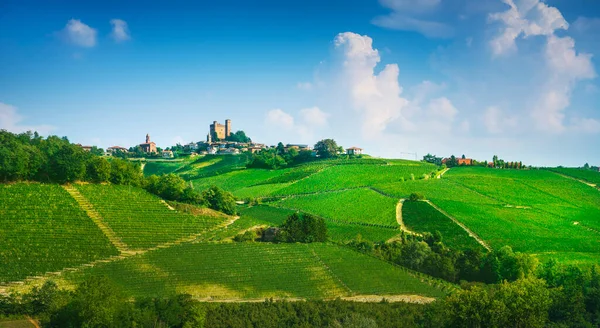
(42, 229)
(257, 271)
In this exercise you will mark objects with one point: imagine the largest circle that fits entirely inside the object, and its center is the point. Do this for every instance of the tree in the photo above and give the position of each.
(219, 200)
(327, 148)
(239, 136)
(586, 166)
(463, 156)
(98, 170)
(303, 228)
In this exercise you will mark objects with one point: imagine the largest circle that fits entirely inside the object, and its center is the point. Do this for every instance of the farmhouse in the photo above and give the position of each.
(114, 149)
(354, 151)
(297, 147)
(148, 146)
(464, 161)
(167, 154)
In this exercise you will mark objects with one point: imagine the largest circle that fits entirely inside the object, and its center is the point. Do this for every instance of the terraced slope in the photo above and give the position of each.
(257, 271)
(42, 229)
(142, 220)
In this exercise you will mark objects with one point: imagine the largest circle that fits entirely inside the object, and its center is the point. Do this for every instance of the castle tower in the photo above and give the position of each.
(227, 128)
(147, 138)
(209, 138)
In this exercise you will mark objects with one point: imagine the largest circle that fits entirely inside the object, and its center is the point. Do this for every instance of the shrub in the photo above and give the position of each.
(415, 197)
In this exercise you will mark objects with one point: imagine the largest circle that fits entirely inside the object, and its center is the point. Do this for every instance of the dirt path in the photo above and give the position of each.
(87, 207)
(439, 176)
(401, 222)
(582, 181)
(33, 322)
(460, 224)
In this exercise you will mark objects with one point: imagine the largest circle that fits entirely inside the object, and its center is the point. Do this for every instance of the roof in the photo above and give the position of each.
(117, 147)
(354, 148)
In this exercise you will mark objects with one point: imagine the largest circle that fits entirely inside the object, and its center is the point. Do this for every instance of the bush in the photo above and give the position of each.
(219, 200)
(416, 197)
(303, 229)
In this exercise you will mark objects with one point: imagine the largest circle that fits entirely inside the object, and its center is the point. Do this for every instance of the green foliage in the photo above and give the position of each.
(43, 229)
(303, 228)
(239, 136)
(415, 197)
(327, 148)
(219, 200)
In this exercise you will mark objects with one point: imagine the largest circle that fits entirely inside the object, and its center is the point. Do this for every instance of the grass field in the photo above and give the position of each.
(256, 270)
(139, 219)
(586, 175)
(363, 206)
(352, 176)
(42, 229)
(422, 217)
(338, 231)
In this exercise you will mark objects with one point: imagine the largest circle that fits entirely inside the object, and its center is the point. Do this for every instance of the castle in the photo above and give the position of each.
(219, 131)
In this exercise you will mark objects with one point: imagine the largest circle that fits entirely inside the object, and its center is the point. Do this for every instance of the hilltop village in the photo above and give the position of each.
(220, 140)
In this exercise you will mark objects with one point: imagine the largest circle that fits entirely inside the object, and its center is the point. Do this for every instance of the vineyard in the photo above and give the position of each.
(363, 206)
(140, 219)
(42, 229)
(258, 271)
(421, 217)
(585, 175)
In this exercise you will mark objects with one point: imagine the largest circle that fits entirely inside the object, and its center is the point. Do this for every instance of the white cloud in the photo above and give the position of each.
(120, 30)
(407, 15)
(280, 118)
(304, 85)
(11, 121)
(442, 109)
(376, 97)
(585, 125)
(79, 34)
(529, 18)
(584, 24)
(565, 67)
(314, 116)
(496, 121)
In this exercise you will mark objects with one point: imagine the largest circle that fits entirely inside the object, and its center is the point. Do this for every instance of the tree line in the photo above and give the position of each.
(29, 157)
(559, 296)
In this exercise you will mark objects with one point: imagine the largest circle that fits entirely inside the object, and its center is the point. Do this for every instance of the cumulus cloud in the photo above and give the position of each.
(314, 116)
(120, 30)
(412, 15)
(528, 18)
(564, 65)
(11, 121)
(376, 97)
(279, 118)
(496, 121)
(310, 121)
(80, 34)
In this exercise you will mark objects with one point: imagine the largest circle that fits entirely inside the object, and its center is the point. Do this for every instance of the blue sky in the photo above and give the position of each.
(517, 78)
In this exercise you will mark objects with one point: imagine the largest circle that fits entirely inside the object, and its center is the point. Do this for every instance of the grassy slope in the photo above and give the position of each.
(362, 206)
(586, 175)
(337, 231)
(256, 270)
(42, 229)
(139, 218)
(422, 217)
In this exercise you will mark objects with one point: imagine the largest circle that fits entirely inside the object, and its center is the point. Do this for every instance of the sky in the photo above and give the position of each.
(398, 78)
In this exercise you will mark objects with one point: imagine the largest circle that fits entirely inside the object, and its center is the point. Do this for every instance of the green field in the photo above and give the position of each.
(257, 270)
(352, 176)
(586, 175)
(422, 217)
(363, 206)
(338, 231)
(162, 167)
(139, 219)
(42, 229)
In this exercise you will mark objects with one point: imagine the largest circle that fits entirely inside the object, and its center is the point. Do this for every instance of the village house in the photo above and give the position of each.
(113, 149)
(167, 154)
(464, 161)
(148, 146)
(354, 151)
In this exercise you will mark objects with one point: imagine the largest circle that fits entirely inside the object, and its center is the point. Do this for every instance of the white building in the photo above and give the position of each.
(354, 151)
(167, 154)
